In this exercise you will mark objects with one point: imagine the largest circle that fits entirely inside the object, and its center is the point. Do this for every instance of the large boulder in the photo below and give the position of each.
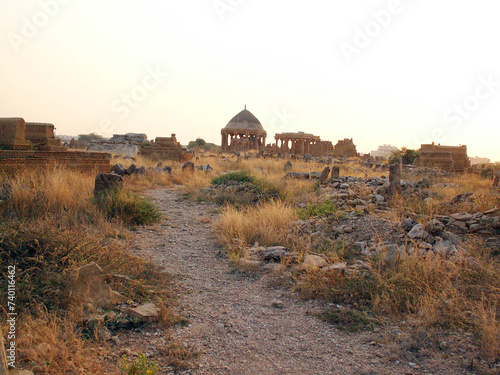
(106, 183)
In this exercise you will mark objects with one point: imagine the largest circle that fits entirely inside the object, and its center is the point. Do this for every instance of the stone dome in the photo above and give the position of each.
(244, 120)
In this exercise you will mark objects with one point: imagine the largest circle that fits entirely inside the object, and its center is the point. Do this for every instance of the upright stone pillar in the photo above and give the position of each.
(324, 175)
(335, 173)
(394, 178)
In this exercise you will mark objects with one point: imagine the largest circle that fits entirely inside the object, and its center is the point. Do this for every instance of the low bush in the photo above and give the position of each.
(327, 208)
(141, 366)
(128, 207)
(238, 176)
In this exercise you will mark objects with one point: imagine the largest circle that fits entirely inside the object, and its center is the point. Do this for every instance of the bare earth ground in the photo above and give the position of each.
(232, 320)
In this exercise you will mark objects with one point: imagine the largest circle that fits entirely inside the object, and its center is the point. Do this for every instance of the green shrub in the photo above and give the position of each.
(141, 366)
(243, 190)
(238, 176)
(407, 156)
(327, 208)
(128, 207)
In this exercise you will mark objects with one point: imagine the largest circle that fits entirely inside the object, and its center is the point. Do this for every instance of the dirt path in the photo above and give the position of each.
(232, 320)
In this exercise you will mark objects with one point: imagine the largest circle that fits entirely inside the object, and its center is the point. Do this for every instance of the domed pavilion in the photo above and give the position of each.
(243, 133)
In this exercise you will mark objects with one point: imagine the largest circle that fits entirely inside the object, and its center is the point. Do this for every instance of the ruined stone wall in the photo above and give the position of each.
(450, 158)
(345, 148)
(166, 148)
(41, 136)
(125, 149)
(41, 149)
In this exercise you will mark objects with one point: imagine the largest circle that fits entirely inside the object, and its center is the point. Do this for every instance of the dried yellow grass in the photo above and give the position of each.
(268, 224)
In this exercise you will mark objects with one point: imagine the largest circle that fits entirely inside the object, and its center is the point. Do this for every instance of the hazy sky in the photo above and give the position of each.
(397, 71)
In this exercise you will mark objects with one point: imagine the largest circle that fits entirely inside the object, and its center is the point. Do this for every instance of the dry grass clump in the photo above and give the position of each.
(52, 345)
(268, 224)
(442, 191)
(55, 192)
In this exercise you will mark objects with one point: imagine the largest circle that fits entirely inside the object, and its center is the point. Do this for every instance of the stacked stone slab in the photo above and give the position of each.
(13, 134)
(33, 145)
(449, 158)
(42, 137)
(166, 148)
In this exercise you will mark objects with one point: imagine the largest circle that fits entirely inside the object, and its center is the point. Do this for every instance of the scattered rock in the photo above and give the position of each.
(106, 183)
(87, 285)
(337, 266)
(273, 254)
(314, 261)
(408, 224)
(417, 232)
(119, 169)
(288, 166)
(298, 175)
(444, 247)
(434, 226)
(147, 312)
(188, 167)
(426, 182)
(394, 255)
(464, 216)
(140, 171)
(131, 169)
(278, 304)
(460, 198)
